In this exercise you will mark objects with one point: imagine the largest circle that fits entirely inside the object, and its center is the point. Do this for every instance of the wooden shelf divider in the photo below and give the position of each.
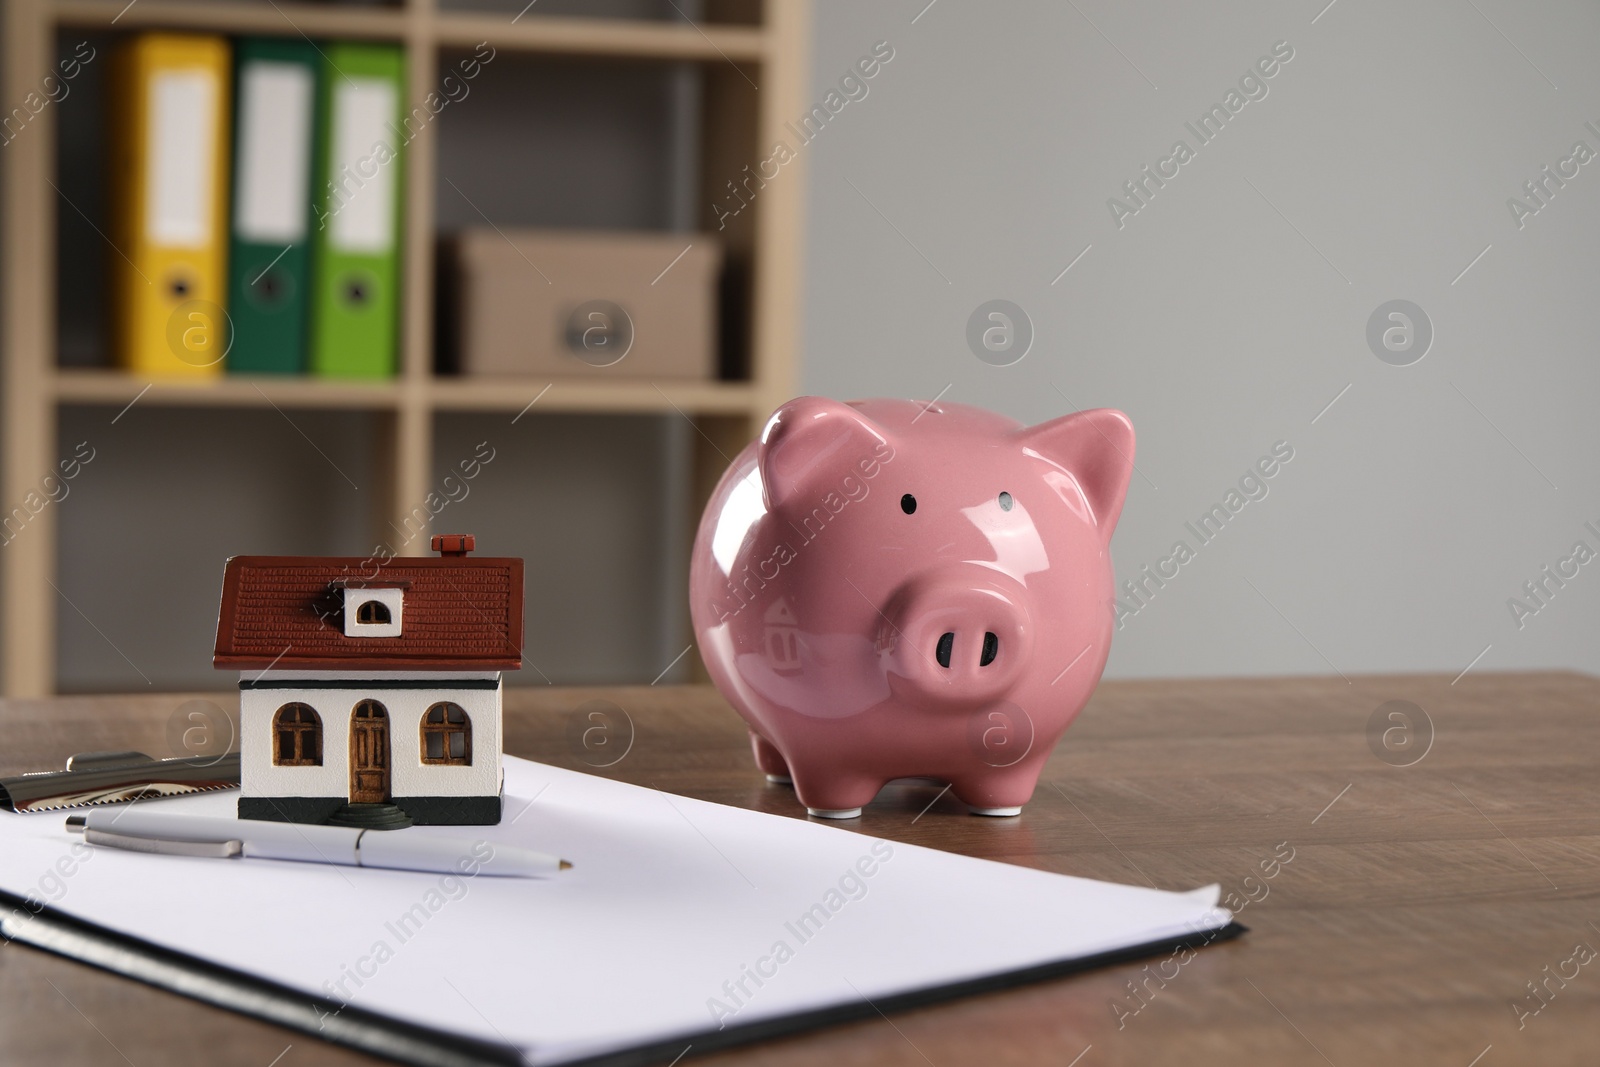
(111, 387)
(232, 16)
(622, 38)
(663, 397)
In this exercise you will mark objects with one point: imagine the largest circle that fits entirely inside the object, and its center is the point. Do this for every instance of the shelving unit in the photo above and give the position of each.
(766, 49)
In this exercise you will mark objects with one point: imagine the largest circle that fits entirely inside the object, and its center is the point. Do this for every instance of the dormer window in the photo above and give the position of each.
(372, 611)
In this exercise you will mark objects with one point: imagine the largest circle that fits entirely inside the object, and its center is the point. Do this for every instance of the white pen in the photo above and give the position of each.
(405, 850)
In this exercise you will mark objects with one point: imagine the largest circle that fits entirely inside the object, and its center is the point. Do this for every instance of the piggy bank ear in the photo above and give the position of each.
(1097, 447)
(814, 442)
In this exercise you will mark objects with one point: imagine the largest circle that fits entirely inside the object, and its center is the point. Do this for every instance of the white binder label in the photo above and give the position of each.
(274, 160)
(178, 158)
(363, 167)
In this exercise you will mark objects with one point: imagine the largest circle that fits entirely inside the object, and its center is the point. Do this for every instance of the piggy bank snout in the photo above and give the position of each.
(961, 638)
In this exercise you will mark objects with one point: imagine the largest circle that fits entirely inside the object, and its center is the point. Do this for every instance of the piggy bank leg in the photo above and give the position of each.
(832, 795)
(770, 760)
(996, 793)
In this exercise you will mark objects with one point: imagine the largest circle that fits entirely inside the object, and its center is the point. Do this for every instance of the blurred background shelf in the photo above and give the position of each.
(89, 386)
(687, 398)
(534, 33)
(607, 37)
(233, 16)
(114, 387)
(632, 115)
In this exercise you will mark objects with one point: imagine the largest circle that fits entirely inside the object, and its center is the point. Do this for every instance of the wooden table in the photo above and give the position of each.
(1419, 902)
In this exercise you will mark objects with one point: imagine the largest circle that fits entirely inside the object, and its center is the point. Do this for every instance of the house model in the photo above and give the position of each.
(369, 692)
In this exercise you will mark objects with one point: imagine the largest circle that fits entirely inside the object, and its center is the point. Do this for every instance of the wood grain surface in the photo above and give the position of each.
(1419, 904)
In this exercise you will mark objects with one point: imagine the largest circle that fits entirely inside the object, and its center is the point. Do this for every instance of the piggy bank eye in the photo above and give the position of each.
(1005, 501)
(908, 503)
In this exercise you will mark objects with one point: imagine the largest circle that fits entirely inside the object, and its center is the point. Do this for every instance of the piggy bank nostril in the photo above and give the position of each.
(947, 643)
(991, 648)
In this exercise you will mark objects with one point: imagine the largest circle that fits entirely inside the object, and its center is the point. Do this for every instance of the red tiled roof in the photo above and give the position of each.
(460, 613)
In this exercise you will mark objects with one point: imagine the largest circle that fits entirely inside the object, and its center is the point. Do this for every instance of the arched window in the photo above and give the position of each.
(297, 736)
(373, 613)
(447, 735)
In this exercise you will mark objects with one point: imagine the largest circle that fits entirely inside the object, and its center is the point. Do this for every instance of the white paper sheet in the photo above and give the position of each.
(679, 916)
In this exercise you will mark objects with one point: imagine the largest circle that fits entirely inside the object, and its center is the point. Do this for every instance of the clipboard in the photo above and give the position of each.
(667, 930)
(367, 1031)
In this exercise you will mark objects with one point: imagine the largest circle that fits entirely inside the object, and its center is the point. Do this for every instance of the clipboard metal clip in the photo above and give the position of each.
(117, 777)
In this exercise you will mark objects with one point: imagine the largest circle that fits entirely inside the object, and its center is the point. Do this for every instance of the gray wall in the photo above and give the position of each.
(1226, 314)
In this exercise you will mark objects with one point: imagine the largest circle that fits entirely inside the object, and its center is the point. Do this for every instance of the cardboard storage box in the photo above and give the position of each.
(552, 303)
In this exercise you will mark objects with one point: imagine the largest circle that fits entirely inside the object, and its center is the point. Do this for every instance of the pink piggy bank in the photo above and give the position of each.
(889, 589)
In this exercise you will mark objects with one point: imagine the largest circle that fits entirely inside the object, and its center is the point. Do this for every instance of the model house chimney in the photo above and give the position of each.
(454, 544)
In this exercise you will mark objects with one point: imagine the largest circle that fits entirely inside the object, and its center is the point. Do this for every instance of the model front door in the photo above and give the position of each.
(369, 753)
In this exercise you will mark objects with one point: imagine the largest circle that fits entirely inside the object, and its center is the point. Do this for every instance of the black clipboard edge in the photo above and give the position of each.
(717, 1040)
(61, 934)
(56, 932)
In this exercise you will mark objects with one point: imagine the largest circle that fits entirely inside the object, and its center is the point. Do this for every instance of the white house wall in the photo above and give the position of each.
(408, 775)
